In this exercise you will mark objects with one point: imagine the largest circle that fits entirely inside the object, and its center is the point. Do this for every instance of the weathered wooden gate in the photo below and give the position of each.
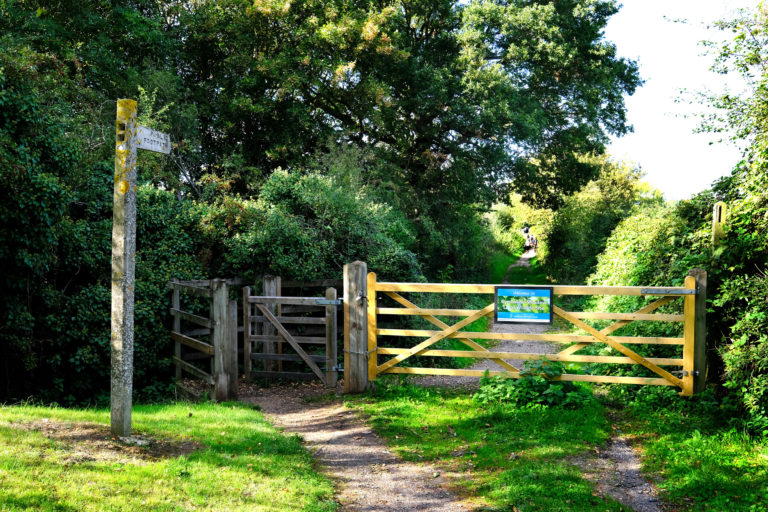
(366, 358)
(280, 329)
(213, 337)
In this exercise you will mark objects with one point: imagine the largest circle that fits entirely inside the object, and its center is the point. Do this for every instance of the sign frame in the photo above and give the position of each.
(549, 293)
(153, 140)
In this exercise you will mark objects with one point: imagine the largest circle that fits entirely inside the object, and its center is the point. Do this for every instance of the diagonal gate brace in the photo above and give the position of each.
(285, 334)
(618, 325)
(435, 321)
(618, 346)
(437, 337)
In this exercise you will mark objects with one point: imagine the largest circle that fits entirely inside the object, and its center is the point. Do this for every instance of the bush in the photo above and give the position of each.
(533, 388)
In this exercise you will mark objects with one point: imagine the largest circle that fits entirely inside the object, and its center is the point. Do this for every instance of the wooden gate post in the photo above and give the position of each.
(247, 362)
(331, 375)
(355, 327)
(700, 352)
(224, 342)
(272, 286)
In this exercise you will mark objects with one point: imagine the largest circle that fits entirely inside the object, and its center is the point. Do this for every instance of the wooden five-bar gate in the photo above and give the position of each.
(366, 357)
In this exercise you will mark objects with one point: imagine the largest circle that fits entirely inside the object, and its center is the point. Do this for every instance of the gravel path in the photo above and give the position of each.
(616, 473)
(371, 477)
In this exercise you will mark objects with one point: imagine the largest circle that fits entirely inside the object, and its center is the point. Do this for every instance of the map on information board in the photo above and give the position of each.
(524, 304)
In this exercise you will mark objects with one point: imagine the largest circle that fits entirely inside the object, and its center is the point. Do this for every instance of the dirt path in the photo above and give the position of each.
(371, 477)
(523, 261)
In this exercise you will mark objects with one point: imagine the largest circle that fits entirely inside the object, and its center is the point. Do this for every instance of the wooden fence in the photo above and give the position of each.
(219, 330)
(287, 329)
(366, 359)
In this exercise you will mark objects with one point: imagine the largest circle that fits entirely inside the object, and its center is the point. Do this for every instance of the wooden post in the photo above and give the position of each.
(271, 289)
(689, 326)
(371, 314)
(247, 333)
(230, 361)
(355, 327)
(719, 215)
(177, 328)
(700, 351)
(224, 378)
(123, 268)
(331, 375)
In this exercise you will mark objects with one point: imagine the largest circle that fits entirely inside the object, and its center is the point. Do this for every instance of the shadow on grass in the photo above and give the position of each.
(36, 501)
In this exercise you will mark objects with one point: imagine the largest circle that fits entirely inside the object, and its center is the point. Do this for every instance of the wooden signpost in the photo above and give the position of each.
(129, 138)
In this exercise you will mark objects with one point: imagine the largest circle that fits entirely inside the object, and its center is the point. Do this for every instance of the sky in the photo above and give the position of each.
(674, 159)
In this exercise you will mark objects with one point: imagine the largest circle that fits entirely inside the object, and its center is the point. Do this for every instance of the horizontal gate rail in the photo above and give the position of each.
(364, 343)
(557, 289)
(556, 338)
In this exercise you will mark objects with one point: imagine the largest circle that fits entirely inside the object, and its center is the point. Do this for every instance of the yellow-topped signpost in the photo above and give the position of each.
(129, 138)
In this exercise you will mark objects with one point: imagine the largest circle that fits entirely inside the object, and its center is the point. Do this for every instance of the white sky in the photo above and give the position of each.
(674, 159)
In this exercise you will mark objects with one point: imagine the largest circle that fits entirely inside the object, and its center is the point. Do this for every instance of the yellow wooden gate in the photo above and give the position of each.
(690, 364)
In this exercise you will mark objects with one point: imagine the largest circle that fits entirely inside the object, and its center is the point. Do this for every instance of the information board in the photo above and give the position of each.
(523, 304)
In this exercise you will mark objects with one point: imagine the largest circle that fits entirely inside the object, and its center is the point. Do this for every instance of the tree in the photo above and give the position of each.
(461, 97)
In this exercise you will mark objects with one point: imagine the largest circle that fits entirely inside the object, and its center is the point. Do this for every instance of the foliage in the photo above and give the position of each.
(79, 468)
(505, 457)
(442, 88)
(307, 226)
(534, 388)
(580, 228)
(305, 135)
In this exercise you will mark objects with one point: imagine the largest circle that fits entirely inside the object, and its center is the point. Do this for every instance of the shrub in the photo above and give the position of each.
(535, 387)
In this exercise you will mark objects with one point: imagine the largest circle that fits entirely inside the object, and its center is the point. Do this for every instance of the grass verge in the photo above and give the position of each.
(695, 448)
(222, 457)
(502, 458)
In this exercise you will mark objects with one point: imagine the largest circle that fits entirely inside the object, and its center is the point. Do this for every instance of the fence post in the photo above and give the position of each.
(719, 215)
(355, 327)
(271, 289)
(224, 376)
(247, 333)
(177, 328)
(700, 351)
(331, 375)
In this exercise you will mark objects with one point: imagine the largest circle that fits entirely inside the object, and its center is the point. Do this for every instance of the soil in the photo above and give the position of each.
(87, 442)
(370, 476)
(616, 473)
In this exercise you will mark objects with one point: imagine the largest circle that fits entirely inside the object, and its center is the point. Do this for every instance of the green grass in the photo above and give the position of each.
(504, 457)
(499, 262)
(528, 275)
(703, 460)
(242, 463)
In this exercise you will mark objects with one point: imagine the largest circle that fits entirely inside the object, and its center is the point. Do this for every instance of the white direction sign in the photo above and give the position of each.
(153, 140)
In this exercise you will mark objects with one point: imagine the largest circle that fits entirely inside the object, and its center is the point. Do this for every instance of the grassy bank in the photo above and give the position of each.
(697, 451)
(222, 457)
(503, 458)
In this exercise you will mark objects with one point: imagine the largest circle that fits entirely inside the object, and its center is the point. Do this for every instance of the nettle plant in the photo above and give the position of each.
(534, 388)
